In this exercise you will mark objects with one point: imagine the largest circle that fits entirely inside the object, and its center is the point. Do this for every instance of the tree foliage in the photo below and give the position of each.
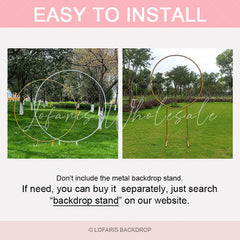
(180, 81)
(28, 64)
(225, 64)
(102, 65)
(134, 59)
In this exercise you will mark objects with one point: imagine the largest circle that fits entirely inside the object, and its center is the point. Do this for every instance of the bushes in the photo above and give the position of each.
(85, 106)
(140, 105)
(61, 105)
(69, 105)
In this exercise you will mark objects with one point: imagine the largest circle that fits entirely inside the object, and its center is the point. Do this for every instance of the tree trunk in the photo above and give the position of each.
(130, 92)
(130, 87)
(101, 101)
(60, 95)
(92, 108)
(100, 121)
(116, 98)
(175, 94)
(44, 98)
(31, 98)
(21, 112)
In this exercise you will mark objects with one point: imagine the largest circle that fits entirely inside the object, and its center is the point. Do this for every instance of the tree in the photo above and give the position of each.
(28, 64)
(225, 63)
(192, 85)
(210, 84)
(101, 64)
(179, 76)
(142, 81)
(134, 59)
(213, 85)
(159, 83)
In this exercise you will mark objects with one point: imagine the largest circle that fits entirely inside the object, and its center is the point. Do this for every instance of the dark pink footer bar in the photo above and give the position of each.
(141, 230)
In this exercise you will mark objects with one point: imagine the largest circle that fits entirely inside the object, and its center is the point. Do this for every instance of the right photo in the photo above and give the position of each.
(177, 103)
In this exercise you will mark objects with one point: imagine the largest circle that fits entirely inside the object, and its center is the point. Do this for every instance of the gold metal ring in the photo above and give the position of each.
(36, 139)
(177, 55)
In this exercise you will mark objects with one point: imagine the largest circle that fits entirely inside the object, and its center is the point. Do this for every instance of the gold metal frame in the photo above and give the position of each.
(36, 139)
(176, 55)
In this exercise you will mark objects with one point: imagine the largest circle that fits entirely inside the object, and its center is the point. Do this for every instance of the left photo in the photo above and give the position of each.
(63, 103)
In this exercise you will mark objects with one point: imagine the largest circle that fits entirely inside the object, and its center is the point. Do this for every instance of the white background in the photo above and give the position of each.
(222, 172)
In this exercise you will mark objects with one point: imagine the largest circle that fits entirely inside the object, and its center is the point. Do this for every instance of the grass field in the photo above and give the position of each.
(102, 144)
(210, 135)
(151, 97)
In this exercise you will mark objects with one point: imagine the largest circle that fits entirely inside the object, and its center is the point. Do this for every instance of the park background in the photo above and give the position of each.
(178, 82)
(26, 65)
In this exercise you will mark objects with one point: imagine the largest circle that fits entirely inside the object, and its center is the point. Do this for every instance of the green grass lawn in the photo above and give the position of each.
(139, 97)
(210, 137)
(102, 144)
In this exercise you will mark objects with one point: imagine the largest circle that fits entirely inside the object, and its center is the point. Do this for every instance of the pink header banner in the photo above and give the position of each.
(120, 13)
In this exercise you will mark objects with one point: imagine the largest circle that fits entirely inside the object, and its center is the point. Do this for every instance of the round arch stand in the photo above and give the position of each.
(52, 138)
(101, 117)
(185, 107)
(58, 139)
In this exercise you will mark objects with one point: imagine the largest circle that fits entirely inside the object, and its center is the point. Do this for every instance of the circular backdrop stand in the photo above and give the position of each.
(59, 139)
(185, 107)
(35, 112)
(101, 117)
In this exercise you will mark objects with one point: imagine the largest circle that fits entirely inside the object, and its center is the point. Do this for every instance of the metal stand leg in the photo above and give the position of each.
(187, 126)
(166, 144)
